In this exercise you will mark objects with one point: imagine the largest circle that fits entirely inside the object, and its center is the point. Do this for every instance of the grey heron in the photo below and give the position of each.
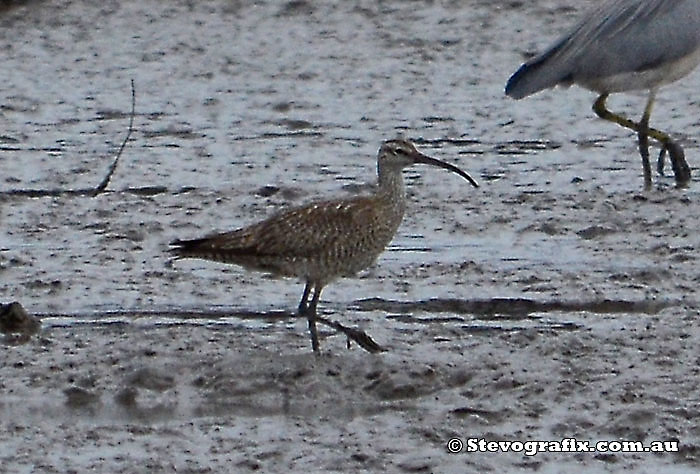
(623, 45)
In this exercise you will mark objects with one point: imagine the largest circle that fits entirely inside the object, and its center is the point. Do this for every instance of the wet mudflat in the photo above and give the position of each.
(558, 300)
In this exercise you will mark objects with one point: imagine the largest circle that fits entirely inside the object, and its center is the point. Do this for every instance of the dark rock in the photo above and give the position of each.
(15, 320)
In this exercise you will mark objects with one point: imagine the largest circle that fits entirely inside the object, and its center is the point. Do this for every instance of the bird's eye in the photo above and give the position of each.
(401, 151)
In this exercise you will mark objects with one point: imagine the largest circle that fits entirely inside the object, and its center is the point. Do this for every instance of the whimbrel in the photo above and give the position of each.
(324, 240)
(623, 45)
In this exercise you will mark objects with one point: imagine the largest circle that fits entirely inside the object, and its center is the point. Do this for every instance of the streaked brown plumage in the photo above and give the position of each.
(324, 240)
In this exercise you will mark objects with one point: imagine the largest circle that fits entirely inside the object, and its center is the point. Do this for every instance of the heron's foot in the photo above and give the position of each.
(681, 170)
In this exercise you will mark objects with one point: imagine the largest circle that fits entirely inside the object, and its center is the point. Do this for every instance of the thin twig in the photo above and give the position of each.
(103, 185)
(84, 191)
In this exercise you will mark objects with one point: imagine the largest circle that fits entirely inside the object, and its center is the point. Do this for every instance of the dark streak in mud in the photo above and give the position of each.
(97, 318)
(510, 306)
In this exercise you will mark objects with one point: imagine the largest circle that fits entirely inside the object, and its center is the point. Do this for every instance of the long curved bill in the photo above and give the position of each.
(419, 157)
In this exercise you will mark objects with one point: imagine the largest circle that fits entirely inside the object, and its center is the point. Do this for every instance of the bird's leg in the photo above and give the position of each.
(661, 161)
(304, 303)
(311, 317)
(681, 170)
(643, 137)
(308, 309)
(602, 111)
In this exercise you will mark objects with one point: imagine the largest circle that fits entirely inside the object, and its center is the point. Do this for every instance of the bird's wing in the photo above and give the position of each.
(619, 36)
(299, 232)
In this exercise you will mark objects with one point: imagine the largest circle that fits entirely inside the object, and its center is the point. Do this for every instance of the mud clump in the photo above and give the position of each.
(16, 324)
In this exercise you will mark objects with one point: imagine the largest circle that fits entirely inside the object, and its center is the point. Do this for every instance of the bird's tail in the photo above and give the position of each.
(539, 73)
(229, 248)
(188, 248)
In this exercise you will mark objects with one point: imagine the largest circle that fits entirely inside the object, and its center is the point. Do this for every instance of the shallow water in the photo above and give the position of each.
(235, 101)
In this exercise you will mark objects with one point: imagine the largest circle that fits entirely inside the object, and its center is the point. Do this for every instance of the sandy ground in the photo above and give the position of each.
(556, 301)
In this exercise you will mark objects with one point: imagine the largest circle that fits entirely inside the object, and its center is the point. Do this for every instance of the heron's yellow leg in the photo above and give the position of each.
(680, 167)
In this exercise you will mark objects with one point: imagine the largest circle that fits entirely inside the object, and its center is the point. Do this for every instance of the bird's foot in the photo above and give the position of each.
(363, 340)
(681, 170)
(360, 337)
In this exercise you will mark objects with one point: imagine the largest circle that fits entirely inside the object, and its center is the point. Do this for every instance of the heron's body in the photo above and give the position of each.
(622, 45)
(325, 240)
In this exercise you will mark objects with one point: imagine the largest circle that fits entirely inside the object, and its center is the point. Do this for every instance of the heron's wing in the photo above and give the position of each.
(619, 36)
(299, 232)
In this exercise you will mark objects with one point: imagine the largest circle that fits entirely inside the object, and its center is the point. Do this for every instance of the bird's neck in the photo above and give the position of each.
(391, 190)
(390, 180)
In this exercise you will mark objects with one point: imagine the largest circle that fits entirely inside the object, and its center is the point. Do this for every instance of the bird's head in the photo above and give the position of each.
(402, 153)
